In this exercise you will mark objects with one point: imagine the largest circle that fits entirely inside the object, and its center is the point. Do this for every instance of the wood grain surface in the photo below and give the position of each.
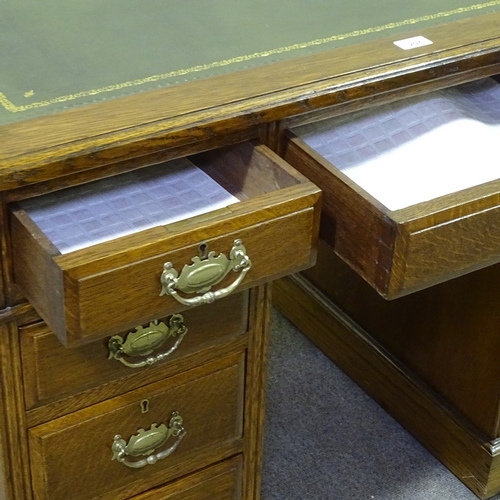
(222, 481)
(210, 400)
(52, 371)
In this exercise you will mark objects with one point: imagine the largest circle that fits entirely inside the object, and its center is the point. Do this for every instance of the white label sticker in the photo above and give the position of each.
(413, 43)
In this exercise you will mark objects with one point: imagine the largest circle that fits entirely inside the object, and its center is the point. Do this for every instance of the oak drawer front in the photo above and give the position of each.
(119, 445)
(114, 285)
(52, 371)
(413, 244)
(220, 482)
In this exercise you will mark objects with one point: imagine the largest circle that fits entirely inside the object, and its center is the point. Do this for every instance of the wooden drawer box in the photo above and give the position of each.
(79, 456)
(115, 285)
(52, 371)
(220, 482)
(428, 235)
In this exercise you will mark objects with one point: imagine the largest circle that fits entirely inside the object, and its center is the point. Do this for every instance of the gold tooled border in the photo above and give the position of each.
(10, 106)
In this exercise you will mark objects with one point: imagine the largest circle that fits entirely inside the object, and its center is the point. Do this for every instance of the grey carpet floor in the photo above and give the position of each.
(325, 439)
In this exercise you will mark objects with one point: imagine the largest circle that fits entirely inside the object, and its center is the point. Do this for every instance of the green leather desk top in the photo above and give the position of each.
(59, 54)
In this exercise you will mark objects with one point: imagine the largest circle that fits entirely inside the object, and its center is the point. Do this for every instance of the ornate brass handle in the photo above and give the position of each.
(143, 341)
(144, 443)
(203, 273)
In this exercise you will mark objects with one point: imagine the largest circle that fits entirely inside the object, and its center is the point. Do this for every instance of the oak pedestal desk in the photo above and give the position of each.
(120, 378)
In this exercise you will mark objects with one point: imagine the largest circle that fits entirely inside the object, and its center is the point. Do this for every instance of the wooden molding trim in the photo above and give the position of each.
(18, 312)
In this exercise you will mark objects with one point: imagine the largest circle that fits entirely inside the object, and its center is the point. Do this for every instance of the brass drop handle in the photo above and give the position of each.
(143, 341)
(200, 276)
(144, 443)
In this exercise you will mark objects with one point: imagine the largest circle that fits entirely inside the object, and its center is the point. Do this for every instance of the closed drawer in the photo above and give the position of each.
(113, 285)
(52, 371)
(220, 482)
(168, 429)
(411, 193)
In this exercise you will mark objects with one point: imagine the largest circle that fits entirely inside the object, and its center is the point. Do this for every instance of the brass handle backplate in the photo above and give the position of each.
(143, 341)
(144, 443)
(200, 276)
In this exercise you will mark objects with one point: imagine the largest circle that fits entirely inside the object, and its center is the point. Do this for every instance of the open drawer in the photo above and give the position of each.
(261, 224)
(412, 188)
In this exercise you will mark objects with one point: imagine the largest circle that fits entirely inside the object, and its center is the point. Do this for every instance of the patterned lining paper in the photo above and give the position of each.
(419, 148)
(107, 209)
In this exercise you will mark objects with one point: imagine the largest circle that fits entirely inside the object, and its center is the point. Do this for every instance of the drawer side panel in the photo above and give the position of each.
(354, 227)
(35, 270)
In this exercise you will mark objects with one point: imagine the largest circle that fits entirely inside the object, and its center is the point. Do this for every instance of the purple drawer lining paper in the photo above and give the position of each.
(107, 209)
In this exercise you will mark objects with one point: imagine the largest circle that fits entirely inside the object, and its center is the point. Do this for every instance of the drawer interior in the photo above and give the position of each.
(417, 149)
(108, 209)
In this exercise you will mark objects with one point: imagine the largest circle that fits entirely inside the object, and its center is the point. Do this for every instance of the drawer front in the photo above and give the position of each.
(52, 371)
(118, 284)
(220, 482)
(142, 439)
